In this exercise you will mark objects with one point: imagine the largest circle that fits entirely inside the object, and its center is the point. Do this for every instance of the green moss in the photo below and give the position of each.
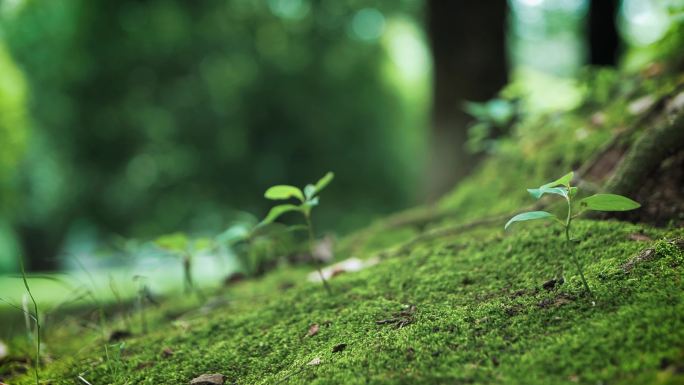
(481, 317)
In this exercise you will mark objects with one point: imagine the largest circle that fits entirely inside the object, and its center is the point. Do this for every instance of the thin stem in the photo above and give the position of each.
(187, 273)
(35, 309)
(311, 250)
(571, 247)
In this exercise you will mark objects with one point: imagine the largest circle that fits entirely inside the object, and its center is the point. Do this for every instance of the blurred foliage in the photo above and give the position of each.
(159, 116)
(13, 121)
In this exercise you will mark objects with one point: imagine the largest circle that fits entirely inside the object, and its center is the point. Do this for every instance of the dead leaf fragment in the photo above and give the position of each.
(209, 379)
(349, 265)
(644, 256)
(167, 352)
(639, 237)
(552, 283)
(401, 318)
(316, 361)
(338, 348)
(313, 330)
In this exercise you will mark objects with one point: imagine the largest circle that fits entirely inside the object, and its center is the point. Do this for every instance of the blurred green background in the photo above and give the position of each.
(125, 120)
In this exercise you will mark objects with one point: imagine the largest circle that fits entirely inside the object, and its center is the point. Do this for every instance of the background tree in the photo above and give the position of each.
(467, 40)
(603, 35)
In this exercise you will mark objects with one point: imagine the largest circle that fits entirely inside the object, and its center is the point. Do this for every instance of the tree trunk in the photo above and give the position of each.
(467, 39)
(40, 246)
(603, 35)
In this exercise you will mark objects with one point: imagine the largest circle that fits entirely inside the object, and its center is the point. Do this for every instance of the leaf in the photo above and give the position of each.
(538, 192)
(609, 202)
(316, 361)
(327, 178)
(562, 181)
(178, 242)
(284, 191)
(309, 191)
(528, 216)
(209, 379)
(313, 330)
(201, 244)
(234, 234)
(277, 211)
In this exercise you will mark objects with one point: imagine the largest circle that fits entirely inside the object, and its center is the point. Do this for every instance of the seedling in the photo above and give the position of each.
(36, 318)
(252, 242)
(307, 199)
(598, 202)
(180, 245)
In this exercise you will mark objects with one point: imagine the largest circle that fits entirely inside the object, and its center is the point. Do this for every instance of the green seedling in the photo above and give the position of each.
(563, 187)
(253, 243)
(36, 319)
(182, 246)
(307, 199)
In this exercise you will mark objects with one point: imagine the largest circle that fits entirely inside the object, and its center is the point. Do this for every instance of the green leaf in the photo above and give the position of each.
(277, 211)
(177, 242)
(284, 191)
(201, 244)
(234, 234)
(528, 216)
(327, 178)
(538, 192)
(609, 202)
(551, 187)
(562, 181)
(309, 191)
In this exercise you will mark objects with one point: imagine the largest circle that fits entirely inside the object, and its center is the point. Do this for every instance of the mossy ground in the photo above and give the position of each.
(472, 305)
(481, 316)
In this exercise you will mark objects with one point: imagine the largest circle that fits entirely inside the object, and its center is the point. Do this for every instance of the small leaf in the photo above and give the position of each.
(277, 211)
(609, 202)
(320, 185)
(309, 191)
(177, 242)
(313, 330)
(201, 244)
(234, 234)
(538, 192)
(562, 181)
(528, 216)
(284, 191)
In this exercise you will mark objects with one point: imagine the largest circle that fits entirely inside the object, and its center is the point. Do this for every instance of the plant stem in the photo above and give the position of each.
(35, 309)
(187, 272)
(311, 250)
(571, 247)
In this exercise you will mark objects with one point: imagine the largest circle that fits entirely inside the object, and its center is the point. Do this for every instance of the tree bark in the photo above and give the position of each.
(467, 40)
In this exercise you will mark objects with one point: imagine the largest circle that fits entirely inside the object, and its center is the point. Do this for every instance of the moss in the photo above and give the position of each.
(472, 307)
(481, 317)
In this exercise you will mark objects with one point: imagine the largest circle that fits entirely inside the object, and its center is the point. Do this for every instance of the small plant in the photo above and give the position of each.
(181, 245)
(36, 318)
(492, 121)
(598, 202)
(253, 243)
(307, 199)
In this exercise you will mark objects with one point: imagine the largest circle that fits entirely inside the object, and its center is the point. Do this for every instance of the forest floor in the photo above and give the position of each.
(453, 299)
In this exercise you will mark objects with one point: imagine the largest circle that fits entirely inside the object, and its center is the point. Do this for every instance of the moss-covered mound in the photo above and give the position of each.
(476, 308)
(451, 301)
